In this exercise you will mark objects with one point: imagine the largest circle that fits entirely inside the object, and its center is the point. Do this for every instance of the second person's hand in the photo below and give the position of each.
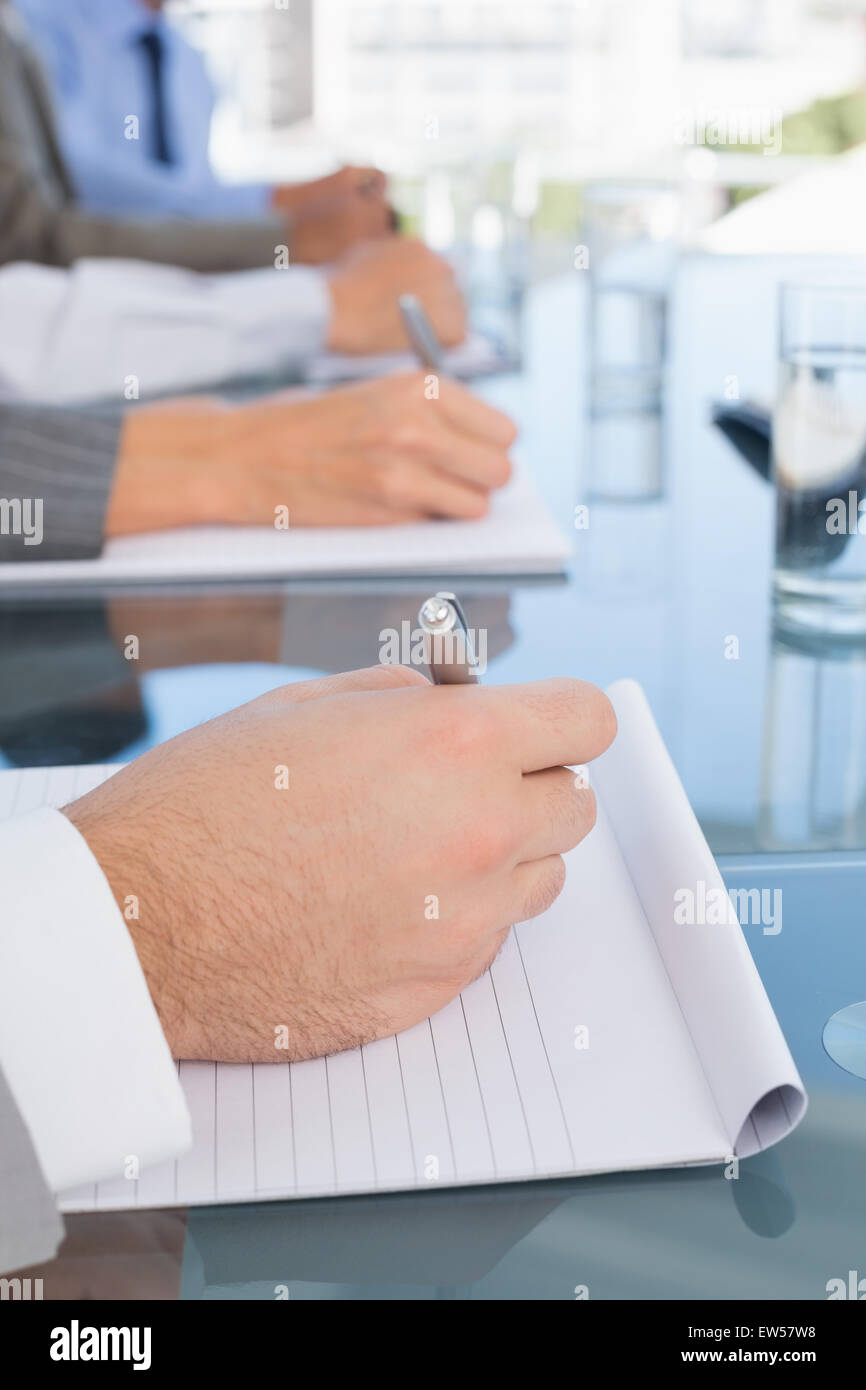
(375, 453)
(366, 286)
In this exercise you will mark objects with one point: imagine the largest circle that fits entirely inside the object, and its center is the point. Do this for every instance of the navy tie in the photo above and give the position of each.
(154, 52)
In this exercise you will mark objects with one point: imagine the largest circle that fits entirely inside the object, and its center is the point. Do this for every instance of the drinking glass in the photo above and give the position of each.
(819, 460)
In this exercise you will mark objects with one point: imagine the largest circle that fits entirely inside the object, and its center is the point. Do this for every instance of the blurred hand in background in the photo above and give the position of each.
(374, 453)
(367, 284)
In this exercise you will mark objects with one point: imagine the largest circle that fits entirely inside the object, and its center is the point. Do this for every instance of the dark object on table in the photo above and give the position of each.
(803, 540)
(750, 429)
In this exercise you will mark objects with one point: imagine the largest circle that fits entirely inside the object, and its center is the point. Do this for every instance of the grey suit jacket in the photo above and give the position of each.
(30, 1228)
(39, 219)
(56, 473)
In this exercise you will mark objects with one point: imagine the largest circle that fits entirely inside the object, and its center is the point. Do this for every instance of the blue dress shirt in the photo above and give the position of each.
(100, 66)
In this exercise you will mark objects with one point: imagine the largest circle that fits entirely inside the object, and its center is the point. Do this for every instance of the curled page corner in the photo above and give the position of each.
(770, 1119)
(749, 1068)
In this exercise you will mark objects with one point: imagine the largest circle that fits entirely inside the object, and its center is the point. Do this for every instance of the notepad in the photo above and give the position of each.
(607, 1035)
(477, 356)
(518, 536)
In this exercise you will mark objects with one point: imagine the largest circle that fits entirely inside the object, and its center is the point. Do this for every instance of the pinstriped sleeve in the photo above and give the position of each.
(56, 472)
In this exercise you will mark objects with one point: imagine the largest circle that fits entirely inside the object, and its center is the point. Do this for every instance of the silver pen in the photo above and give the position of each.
(447, 642)
(420, 332)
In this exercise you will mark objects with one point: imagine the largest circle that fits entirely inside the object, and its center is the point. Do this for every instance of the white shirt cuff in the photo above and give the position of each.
(81, 1045)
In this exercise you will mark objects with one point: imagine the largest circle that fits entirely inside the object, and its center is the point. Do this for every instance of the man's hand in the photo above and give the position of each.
(285, 856)
(325, 237)
(311, 199)
(370, 454)
(366, 285)
(331, 215)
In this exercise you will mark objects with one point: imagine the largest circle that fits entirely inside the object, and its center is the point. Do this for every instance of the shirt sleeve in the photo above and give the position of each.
(237, 200)
(111, 174)
(109, 185)
(112, 186)
(81, 1046)
(113, 329)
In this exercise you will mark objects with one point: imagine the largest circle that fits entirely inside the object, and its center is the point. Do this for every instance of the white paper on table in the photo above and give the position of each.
(517, 536)
(604, 1037)
(476, 356)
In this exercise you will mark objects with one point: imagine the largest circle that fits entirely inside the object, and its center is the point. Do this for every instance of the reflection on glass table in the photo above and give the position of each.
(813, 781)
(814, 776)
(792, 1220)
(73, 674)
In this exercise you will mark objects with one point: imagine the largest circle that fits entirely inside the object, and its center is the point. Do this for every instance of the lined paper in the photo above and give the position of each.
(491, 1088)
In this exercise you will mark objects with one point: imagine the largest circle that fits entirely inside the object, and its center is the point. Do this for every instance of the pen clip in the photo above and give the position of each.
(444, 624)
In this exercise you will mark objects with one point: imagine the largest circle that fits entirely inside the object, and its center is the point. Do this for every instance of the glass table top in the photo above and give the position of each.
(769, 738)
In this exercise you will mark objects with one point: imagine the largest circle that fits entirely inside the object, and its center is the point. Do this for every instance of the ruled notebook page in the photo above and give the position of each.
(570, 1055)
